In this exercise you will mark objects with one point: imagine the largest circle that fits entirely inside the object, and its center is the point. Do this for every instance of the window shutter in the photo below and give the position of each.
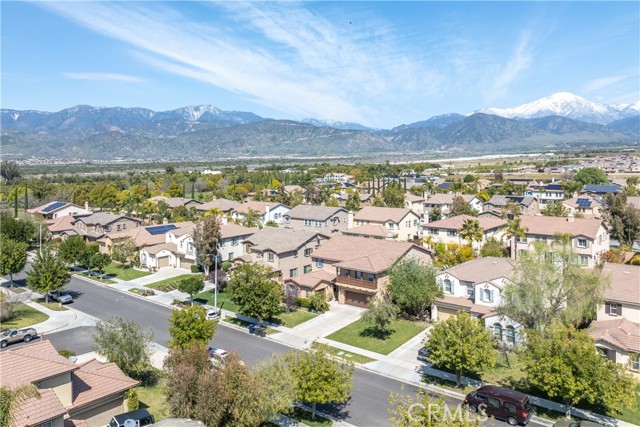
(611, 355)
(491, 295)
(607, 307)
(619, 309)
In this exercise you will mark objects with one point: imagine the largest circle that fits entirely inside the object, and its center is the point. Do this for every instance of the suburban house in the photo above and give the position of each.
(358, 267)
(600, 190)
(617, 326)
(444, 201)
(267, 211)
(286, 251)
(448, 230)
(590, 237)
(55, 210)
(372, 231)
(96, 225)
(231, 237)
(223, 205)
(61, 227)
(323, 219)
(498, 203)
(292, 189)
(365, 198)
(586, 206)
(175, 202)
(176, 251)
(415, 203)
(546, 193)
(476, 287)
(141, 236)
(404, 221)
(87, 394)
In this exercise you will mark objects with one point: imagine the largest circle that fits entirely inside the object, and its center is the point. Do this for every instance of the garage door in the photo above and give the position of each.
(354, 298)
(186, 263)
(444, 313)
(163, 262)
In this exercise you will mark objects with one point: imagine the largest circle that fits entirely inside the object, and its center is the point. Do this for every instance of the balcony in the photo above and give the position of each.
(359, 283)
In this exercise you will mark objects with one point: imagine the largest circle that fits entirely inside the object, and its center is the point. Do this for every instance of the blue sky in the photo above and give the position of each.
(376, 63)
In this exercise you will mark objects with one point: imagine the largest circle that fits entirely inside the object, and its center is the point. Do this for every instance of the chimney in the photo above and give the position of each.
(350, 220)
(266, 215)
(165, 221)
(571, 218)
(86, 205)
(223, 219)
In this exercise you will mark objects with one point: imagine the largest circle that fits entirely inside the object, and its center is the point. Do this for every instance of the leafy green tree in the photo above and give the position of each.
(133, 401)
(319, 379)
(459, 206)
(252, 219)
(206, 240)
(190, 325)
(20, 230)
(318, 302)
(271, 223)
(103, 195)
(471, 231)
(125, 343)
(12, 398)
(425, 411)
(169, 169)
(378, 202)
(412, 287)
(435, 214)
(417, 190)
(548, 285)
(555, 209)
(587, 176)
(571, 188)
(452, 254)
(47, 274)
(393, 195)
(40, 189)
(13, 257)
(191, 285)
(353, 202)
(84, 257)
(72, 249)
(460, 344)
(255, 291)
(563, 362)
(515, 231)
(124, 250)
(175, 190)
(623, 218)
(379, 316)
(494, 247)
(9, 170)
(99, 261)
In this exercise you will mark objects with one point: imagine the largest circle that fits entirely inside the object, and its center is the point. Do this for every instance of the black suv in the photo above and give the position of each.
(500, 403)
(141, 417)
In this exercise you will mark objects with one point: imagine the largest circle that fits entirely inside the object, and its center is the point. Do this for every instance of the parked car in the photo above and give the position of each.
(212, 315)
(63, 297)
(422, 354)
(16, 335)
(142, 417)
(501, 403)
(218, 356)
(581, 423)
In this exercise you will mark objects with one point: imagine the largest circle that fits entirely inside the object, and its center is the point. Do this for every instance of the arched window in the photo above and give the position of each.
(511, 334)
(448, 287)
(497, 330)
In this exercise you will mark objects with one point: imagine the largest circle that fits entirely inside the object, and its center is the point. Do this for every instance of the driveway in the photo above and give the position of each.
(162, 274)
(338, 316)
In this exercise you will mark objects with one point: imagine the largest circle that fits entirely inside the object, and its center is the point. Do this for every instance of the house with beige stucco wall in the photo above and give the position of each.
(403, 221)
(448, 230)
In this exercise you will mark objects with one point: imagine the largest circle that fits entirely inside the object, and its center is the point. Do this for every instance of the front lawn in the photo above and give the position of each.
(347, 355)
(23, 316)
(152, 398)
(359, 334)
(168, 285)
(97, 278)
(305, 417)
(127, 273)
(632, 415)
(51, 305)
(206, 297)
(294, 318)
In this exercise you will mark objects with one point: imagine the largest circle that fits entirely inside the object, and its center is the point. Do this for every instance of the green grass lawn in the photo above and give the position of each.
(632, 415)
(167, 285)
(305, 416)
(294, 318)
(152, 398)
(98, 279)
(347, 355)
(206, 297)
(357, 334)
(23, 316)
(16, 289)
(52, 305)
(127, 273)
(143, 292)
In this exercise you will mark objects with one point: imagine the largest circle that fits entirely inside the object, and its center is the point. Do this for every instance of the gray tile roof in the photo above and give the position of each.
(313, 212)
(280, 240)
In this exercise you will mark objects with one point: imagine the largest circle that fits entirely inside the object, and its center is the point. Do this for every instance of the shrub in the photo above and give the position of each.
(635, 260)
(318, 302)
(133, 402)
(66, 353)
(196, 269)
(226, 266)
(303, 303)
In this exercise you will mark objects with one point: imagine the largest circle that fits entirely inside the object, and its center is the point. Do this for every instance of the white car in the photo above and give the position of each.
(217, 356)
(212, 315)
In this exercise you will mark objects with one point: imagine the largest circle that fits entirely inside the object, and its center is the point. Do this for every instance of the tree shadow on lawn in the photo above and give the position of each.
(371, 332)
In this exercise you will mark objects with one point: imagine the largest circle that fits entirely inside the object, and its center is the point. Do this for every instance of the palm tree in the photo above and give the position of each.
(252, 219)
(471, 231)
(515, 230)
(10, 400)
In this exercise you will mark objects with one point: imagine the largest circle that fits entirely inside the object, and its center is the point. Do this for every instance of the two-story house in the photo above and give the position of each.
(96, 225)
(231, 238)
(322, 219)
(600, 190)
(358, 267)
(404, 221)
(287, 251)
(589, 237)
(415, 203)
(141, 236)
(497, 204)
(545, 193)
(176, 251)
(476, 287)
(448, 230)
(54, 210)
(586, 206)
(87, 394)
(617, 326)
(224, 206)
(444, 202)
(366, 199)
(267, 211)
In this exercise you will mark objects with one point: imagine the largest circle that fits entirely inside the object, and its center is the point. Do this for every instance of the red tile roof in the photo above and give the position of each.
(35, 411)
(455, 222)
(32, 363)
(624, 283)
(622, 333)
(378, 214)
(550, 226)
(95, 380)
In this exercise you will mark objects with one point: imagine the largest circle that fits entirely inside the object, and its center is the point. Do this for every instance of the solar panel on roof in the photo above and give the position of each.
(554, 187)
(583, 203)
(160, 229)
(53, 206)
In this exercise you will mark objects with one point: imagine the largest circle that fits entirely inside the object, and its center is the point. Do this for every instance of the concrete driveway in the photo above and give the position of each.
(338, 316)
(162, 274)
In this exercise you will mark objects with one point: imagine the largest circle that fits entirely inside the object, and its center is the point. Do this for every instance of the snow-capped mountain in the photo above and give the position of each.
(566, 104)
(335, 124)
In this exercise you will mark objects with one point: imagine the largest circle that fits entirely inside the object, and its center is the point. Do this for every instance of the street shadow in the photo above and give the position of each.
(17, 283)
(336, 410)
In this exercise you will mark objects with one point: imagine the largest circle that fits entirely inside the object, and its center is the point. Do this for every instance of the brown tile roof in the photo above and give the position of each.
(143, 238)
(622, 333)
(320, 213)
(501, 200)
(35, 412)
(155, 249)
(157, 198)
(257, 206)
(94, 380)
(314, 279)
(32, 363)
(455, 222)
(624, 283)
(63, 223)
(574, 202)
(292, 188)
(363, 254)
(223, 205)
(280, 240)
(447, 198)
(481, 269)
(373, 230)
(377, 214)
(464, 304)
(103, 218)
(174, 202)
(230, 230)
(40, 209)
(75, 423)
(550, 226)
(410, 197)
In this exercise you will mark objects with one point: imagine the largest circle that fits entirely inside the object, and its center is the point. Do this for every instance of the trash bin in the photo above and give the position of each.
(252, 328)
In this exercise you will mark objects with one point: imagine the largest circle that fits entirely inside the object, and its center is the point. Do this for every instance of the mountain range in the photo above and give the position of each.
(562, 120)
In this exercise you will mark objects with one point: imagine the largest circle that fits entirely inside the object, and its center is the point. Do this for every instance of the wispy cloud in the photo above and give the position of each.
(603, 82)
(104, 77)
(519, 62)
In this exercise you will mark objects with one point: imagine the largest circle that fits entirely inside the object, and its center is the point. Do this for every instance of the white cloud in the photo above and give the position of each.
(103, 77)
(601, 83)
(519, 62)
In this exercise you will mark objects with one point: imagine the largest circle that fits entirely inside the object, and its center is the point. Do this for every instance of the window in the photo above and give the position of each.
(124, 226)
(448, 286)
(521, 239)
(276, 216)
(452, 233)
(319, 263)
(270, 256)
(307, 251)
(358, 275)
(415, 222)
(408, 223)
(470, 290)
(584, 259)
(293, 272)
(497, 330)
(307, 269)
(487, 295)
(118, 227)
(307, 222)
(222, 243)
(510, 407)
(582, 243)
(46, 424)
(613, 308)
(433, 231)
(287, 219)
(634, 362)
(370, 277)
(390, 225)
(511, 334)
(230, 256)
(492, 402)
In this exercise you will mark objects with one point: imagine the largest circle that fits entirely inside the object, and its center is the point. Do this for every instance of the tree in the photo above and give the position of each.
(417, 190)
(563, 362)
(271, 223)
(353, 202)
(124, 250)
(547, 285)
(99, 261)
(460, 344)
(133, 402)
(471, 231)
(555, 209)
(452, 254)
(393, 195)
(318, 302)
(175, 190)
(206, 239)
(20, 230)
(252, 219)
(103, 195)
(72, 249)
(379, 316)
(169, 169)
(13, 257)
(255, 292)
(378, 202)
(623, 218)
(515, 231)
(435, 214)
(631, 189)
(190, 325)
(9, 170)
(412, 287)
(191, 285)
(47, 274)
(425, 411)
(587, 176)
(125, 343)
(84, 258)
(459, 206)
(494, 247)
(12, 398)
(319, 379)
(571, 188)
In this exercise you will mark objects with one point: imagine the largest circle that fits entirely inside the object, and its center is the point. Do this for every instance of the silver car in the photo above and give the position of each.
(62, 297)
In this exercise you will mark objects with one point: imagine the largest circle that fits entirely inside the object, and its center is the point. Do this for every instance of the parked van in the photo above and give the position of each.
(142, 417)
(500, 403)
